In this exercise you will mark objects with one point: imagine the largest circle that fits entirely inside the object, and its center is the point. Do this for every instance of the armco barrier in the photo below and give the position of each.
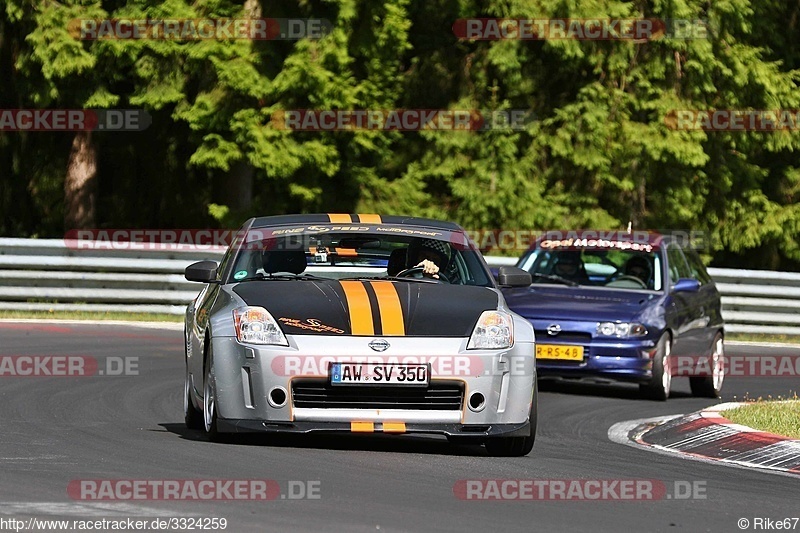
(44, 274)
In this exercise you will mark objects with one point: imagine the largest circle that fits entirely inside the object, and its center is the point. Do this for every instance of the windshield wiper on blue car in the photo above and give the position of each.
(553, 277)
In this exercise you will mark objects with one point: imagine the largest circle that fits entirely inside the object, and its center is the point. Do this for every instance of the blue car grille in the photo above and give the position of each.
(564, 337)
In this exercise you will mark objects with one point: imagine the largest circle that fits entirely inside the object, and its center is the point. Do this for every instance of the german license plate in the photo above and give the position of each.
(559, 351)
(379, 374)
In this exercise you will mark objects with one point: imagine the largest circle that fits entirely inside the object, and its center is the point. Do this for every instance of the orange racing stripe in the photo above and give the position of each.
(362, 427)
(360, 309)
(394, 427)
(369, 219)
(338, 218)
(389, 305)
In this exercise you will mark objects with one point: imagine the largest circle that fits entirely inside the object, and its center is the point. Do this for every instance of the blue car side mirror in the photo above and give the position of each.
(686, 285)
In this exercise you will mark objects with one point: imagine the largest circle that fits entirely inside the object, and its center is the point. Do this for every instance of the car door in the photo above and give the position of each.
(708, 299)
(683, 308)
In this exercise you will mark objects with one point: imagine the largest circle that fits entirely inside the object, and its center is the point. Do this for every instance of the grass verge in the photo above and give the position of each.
(93, 316)
(779, 417)
(762, 337)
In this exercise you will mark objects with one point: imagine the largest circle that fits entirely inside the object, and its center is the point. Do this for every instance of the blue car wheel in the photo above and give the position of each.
(661, 382)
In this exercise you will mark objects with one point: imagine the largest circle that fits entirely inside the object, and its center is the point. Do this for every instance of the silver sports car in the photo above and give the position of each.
(359, 323)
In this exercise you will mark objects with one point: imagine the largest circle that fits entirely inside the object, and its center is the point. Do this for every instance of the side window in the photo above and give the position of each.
(697, 268)
(225, 262)
(677, 264)
(529, 261)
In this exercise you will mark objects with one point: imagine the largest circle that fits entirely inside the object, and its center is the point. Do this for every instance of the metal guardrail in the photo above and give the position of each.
(45, 274)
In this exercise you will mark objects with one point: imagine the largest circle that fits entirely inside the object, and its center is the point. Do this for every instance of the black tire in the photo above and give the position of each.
(660, 384)
(517, 446)
(711, 386)
(192, 416)
(210, 398)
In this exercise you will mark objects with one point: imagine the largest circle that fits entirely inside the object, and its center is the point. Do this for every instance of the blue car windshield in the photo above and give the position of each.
(613, 268)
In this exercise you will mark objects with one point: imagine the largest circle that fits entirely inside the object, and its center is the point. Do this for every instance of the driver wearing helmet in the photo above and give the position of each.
(428, 254)
(639, 267)
(569, 265)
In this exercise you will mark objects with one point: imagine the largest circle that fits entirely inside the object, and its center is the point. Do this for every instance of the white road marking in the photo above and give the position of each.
(85, 509)
(177, 326)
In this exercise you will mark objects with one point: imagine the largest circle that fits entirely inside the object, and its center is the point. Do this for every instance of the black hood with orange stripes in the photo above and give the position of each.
(370, 308)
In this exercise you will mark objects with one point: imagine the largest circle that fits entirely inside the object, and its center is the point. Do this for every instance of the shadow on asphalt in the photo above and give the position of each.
(428, 445)
(610, 389)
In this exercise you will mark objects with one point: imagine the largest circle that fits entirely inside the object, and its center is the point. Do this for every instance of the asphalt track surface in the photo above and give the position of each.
(59, 429)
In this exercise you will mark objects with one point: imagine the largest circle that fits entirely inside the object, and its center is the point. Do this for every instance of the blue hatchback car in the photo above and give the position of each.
(634, 307)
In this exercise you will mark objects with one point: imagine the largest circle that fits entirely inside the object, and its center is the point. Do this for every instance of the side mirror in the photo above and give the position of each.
(514, 277)
(686, 285)
(203, 271)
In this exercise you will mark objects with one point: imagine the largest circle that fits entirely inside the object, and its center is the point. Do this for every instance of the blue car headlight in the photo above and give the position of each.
(622, 330)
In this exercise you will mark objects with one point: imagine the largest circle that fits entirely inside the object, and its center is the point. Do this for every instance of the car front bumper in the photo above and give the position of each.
(246, 377)
(620, 360)
(449, 430)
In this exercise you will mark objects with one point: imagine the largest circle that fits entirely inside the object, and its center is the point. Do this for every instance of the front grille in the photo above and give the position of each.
(320, 394)
(564, 337)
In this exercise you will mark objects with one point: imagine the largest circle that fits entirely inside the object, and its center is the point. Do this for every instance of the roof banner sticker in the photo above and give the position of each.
(614, 240)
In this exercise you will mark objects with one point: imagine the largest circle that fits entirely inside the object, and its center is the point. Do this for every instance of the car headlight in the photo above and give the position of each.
(254, 325)
(494, 330)
(621, 329)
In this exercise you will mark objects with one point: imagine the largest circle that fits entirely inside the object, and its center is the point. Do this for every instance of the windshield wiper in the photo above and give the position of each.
(419, 280)
(553, 277)
(268, 277)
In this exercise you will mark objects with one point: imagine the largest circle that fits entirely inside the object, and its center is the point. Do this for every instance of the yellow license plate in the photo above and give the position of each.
(559, 351)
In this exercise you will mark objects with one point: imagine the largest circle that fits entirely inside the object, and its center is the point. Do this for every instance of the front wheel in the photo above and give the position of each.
(191, 415)
(517, 446)
(661, 382)
(711, 386)
(210, 398)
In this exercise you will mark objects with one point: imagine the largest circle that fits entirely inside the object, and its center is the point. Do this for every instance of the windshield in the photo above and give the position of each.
(621, 269)
(322, 252)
